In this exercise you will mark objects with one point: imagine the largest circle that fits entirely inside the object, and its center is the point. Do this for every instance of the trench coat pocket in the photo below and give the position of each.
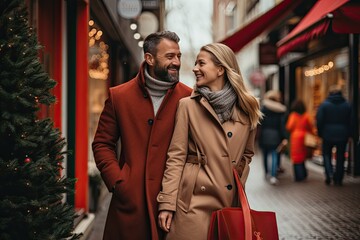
(187, 184)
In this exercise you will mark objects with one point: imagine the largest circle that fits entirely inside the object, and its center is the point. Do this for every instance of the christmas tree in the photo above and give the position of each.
(31, 187)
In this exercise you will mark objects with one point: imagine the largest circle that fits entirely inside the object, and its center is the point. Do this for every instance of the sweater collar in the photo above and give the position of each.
(141, 79)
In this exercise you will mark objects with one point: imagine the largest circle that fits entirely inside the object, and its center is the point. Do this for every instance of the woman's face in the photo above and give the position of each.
(207, 73)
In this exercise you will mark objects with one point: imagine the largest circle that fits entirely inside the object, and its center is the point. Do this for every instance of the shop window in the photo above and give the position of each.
(98, 84)
(318, 74)
(45, 31)
(314, 78)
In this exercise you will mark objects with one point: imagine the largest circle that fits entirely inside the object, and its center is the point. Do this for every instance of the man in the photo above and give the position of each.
(139, 113)
(333, 121)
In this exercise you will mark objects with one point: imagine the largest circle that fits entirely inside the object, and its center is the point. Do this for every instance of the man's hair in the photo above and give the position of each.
(334, 89)
(151, 41)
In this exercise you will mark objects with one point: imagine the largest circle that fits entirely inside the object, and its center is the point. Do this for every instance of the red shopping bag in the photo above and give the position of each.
(242, 223)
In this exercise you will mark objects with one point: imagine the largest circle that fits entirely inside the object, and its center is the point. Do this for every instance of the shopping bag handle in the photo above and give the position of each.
(244, 205)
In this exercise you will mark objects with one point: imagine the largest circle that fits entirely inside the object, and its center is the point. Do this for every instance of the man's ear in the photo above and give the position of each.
(149, 58)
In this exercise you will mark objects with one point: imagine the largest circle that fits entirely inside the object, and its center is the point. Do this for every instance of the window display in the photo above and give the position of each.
(314, 78)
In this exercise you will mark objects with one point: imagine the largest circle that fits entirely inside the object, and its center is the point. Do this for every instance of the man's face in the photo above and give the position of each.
(166, 64)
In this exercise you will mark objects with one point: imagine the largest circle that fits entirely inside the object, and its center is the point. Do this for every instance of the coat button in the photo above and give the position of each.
(202, 188)
(229, 187)
(161, 197)
(150, 122)
(229, 134)
(145, 95)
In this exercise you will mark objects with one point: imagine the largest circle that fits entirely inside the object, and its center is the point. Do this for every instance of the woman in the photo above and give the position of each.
(298, 124)
(214, 131)
(272, 131)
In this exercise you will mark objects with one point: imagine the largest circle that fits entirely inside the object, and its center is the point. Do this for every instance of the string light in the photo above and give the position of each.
(133, 26)
(98, 63)
(319, 70)
(137, 36)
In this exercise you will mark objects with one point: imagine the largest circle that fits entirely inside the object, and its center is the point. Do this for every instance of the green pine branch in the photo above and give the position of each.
(31, 184)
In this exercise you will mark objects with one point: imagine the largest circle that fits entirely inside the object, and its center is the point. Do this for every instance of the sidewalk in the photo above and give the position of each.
(305, 210)
(310, 209)
(100, 215)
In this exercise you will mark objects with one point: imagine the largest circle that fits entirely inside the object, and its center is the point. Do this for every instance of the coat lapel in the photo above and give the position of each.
(205, 103)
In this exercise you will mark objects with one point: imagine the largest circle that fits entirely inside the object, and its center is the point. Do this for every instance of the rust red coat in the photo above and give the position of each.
(129, 115)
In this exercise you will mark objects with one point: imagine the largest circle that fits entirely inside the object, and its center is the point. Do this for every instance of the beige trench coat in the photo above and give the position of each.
(194, 191)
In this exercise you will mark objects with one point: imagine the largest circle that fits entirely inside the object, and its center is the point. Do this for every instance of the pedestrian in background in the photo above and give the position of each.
(214, 132)
(140, 113)
(298, 124)
(334, 125)
(272, 131)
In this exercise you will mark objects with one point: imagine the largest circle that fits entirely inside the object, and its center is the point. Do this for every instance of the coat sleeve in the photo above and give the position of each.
(290, 124)
(176, 159)
(105, 145)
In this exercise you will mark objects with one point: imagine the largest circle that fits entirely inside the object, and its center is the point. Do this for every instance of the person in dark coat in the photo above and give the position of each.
(334, 121)
(272, 131)
(141, 114)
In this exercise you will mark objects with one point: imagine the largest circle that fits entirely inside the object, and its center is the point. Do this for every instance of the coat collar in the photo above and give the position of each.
(237, 115)
(141, 78)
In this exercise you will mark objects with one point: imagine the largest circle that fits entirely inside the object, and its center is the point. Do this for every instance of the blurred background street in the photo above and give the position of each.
(299, 48)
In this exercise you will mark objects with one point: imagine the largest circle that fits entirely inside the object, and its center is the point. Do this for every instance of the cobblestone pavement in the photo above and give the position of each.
(310, 209)
(305, 210)
(101, 214)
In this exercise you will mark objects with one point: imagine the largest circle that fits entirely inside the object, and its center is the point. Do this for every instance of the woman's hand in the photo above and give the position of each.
(165, 218)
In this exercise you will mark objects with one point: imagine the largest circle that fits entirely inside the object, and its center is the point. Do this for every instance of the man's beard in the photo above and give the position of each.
(162, 73)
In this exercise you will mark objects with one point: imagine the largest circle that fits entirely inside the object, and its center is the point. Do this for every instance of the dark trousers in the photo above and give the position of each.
(340, 159)
(300, 172)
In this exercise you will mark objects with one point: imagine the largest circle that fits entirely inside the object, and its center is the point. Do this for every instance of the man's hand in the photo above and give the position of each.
(165, 218)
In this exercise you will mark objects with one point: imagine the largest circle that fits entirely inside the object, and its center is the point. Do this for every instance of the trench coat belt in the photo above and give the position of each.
(195, 160)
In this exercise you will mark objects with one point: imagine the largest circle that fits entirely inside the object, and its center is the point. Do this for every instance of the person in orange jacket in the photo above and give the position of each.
(298, 124)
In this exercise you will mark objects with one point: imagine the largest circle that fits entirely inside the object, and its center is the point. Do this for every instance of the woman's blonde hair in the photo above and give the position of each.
(223, 56)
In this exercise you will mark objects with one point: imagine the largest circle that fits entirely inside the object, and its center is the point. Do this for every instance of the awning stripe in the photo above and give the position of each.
(266, 21)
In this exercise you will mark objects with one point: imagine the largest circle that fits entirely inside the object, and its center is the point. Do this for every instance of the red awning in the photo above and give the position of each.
(343, 14)
(266, 21)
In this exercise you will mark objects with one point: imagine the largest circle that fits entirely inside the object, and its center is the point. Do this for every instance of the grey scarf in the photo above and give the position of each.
(222, 101)
(156, 87)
